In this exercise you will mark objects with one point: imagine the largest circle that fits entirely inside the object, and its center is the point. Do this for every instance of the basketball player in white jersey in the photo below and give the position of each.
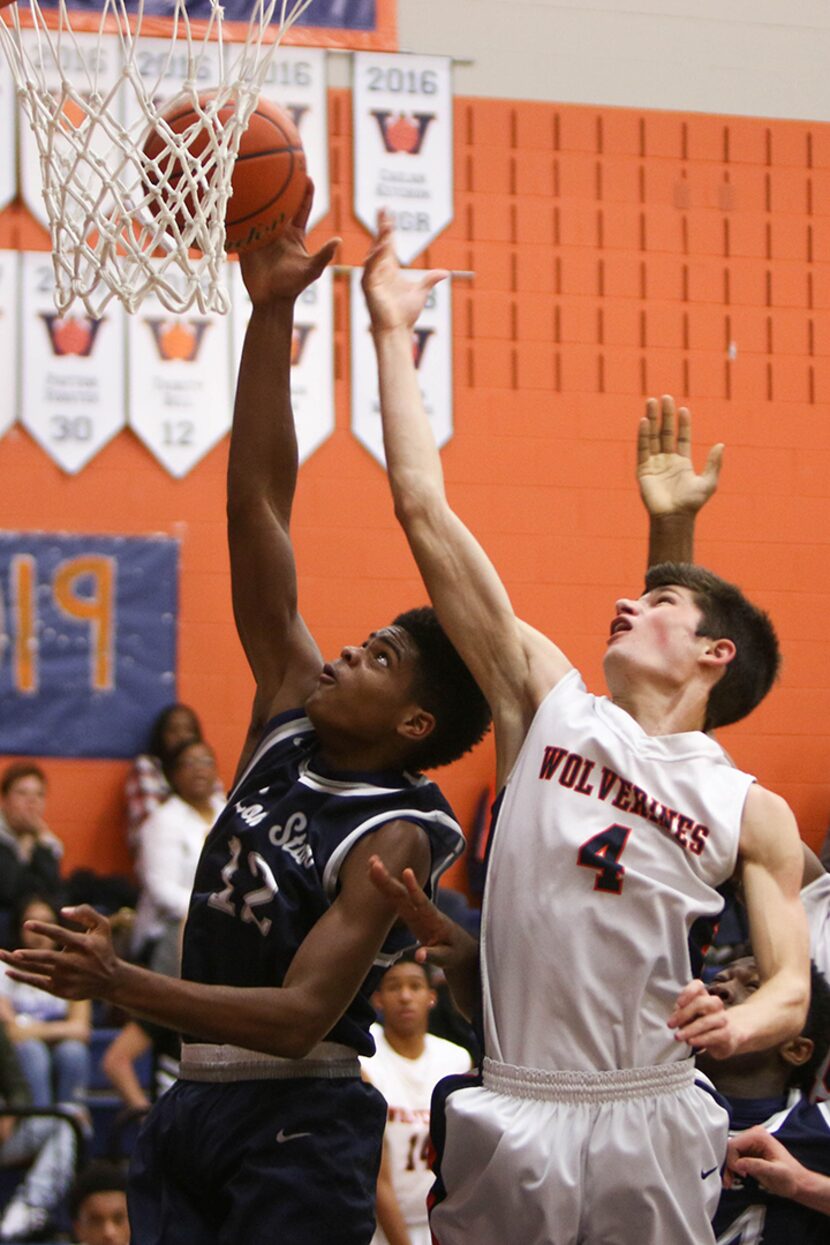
(407, 1064)
(617, 819)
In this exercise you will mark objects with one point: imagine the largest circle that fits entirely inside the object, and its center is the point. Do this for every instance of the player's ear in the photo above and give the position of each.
(417, 725)
(797, 1051)
(718, 652)
(376, 1002)
(433, 998)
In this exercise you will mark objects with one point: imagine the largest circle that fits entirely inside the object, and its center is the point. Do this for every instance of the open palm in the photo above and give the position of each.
(668, 481)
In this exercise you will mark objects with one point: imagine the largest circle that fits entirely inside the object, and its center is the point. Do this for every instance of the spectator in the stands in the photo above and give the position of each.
(119, 1062)
(45, 1142)
(147, 784)
(51, 1035)
(30, 854)
(170, 843)
(98, 1205)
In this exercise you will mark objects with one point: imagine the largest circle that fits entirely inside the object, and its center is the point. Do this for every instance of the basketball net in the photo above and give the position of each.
(119, 228)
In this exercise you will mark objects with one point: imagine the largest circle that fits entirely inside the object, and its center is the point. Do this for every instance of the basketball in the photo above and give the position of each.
(269, 176)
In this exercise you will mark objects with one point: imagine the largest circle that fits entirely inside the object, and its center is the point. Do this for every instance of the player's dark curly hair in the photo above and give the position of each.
(817, 1029)
(727, 614)
(446, 689)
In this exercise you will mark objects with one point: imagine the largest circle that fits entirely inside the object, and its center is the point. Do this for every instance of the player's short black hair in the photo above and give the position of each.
(446, 689)
(408, 957)
(101, 1176)
(817, 1029)
(17, 770)
(727, 614)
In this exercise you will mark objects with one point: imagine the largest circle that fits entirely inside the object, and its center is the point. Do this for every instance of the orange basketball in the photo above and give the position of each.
(269, 177)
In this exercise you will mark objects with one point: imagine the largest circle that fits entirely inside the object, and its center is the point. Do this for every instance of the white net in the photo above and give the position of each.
(121, 225)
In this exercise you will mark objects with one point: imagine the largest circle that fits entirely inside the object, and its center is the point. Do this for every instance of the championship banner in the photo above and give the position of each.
(296, 80)
(9, 334)
(75, 55)
(72, 396)
(432, 350)
(8, 108)
(179, 382)
(312, 357)
(403, 146)
(87, 642)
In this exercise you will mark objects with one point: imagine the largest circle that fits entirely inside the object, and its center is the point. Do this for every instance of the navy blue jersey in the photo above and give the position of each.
(748, 1214)
(271, 865)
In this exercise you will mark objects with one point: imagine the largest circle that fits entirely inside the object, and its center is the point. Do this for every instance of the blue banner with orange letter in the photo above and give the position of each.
(87, 642)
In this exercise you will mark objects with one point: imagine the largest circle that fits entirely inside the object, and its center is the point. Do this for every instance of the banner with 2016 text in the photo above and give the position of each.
(403, 146)
(87, 642)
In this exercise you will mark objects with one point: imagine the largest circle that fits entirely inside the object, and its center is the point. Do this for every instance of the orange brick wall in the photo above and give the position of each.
(617, 255)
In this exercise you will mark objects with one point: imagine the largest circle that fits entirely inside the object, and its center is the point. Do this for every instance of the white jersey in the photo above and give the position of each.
(607, 845)
(816, 900)
(407, 1086)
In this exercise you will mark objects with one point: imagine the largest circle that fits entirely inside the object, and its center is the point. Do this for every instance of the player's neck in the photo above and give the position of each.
(663, 711)
(410, 1046)
(770, 1082)
(355, 758)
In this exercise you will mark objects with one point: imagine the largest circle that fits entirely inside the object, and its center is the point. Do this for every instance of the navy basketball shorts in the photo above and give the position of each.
(270, 1162)
(625, 1158)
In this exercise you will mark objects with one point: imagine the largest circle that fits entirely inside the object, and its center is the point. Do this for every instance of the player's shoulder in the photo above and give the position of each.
(767, 812)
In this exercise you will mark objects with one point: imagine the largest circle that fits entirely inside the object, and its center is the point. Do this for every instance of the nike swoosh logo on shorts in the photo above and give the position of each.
(282, 1136)
(703, 1175)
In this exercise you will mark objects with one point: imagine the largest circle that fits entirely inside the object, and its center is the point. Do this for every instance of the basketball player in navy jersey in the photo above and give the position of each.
(270, 1135)
(771, 1090)
(617, 820)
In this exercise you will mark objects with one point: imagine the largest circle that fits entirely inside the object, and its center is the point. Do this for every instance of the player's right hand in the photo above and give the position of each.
(280, 271)
(81, 965)
(758, 1154)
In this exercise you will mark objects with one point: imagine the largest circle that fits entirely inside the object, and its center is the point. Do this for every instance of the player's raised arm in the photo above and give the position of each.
(262, 473)
(469, 597)
(771, 869)
(671, 490)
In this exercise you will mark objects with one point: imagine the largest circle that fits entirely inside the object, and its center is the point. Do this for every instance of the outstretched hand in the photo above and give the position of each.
(668, 482)
(81, 965)
(392, 299)
(284, 268)
(438, 935)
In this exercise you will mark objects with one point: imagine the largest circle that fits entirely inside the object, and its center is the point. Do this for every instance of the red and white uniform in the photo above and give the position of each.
(607, 846)
(407, 1086)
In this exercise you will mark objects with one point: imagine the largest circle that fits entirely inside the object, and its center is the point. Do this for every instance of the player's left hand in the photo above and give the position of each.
(82, 964)
(668, 482)
(281, 270)
(701, 1019)
(393, 300)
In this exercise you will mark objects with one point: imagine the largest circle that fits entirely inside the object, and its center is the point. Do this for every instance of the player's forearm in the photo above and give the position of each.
(813, 1190)
(274, 1020)
(774, 1014)
(671, 538)
(263, 450)
(412, 459)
